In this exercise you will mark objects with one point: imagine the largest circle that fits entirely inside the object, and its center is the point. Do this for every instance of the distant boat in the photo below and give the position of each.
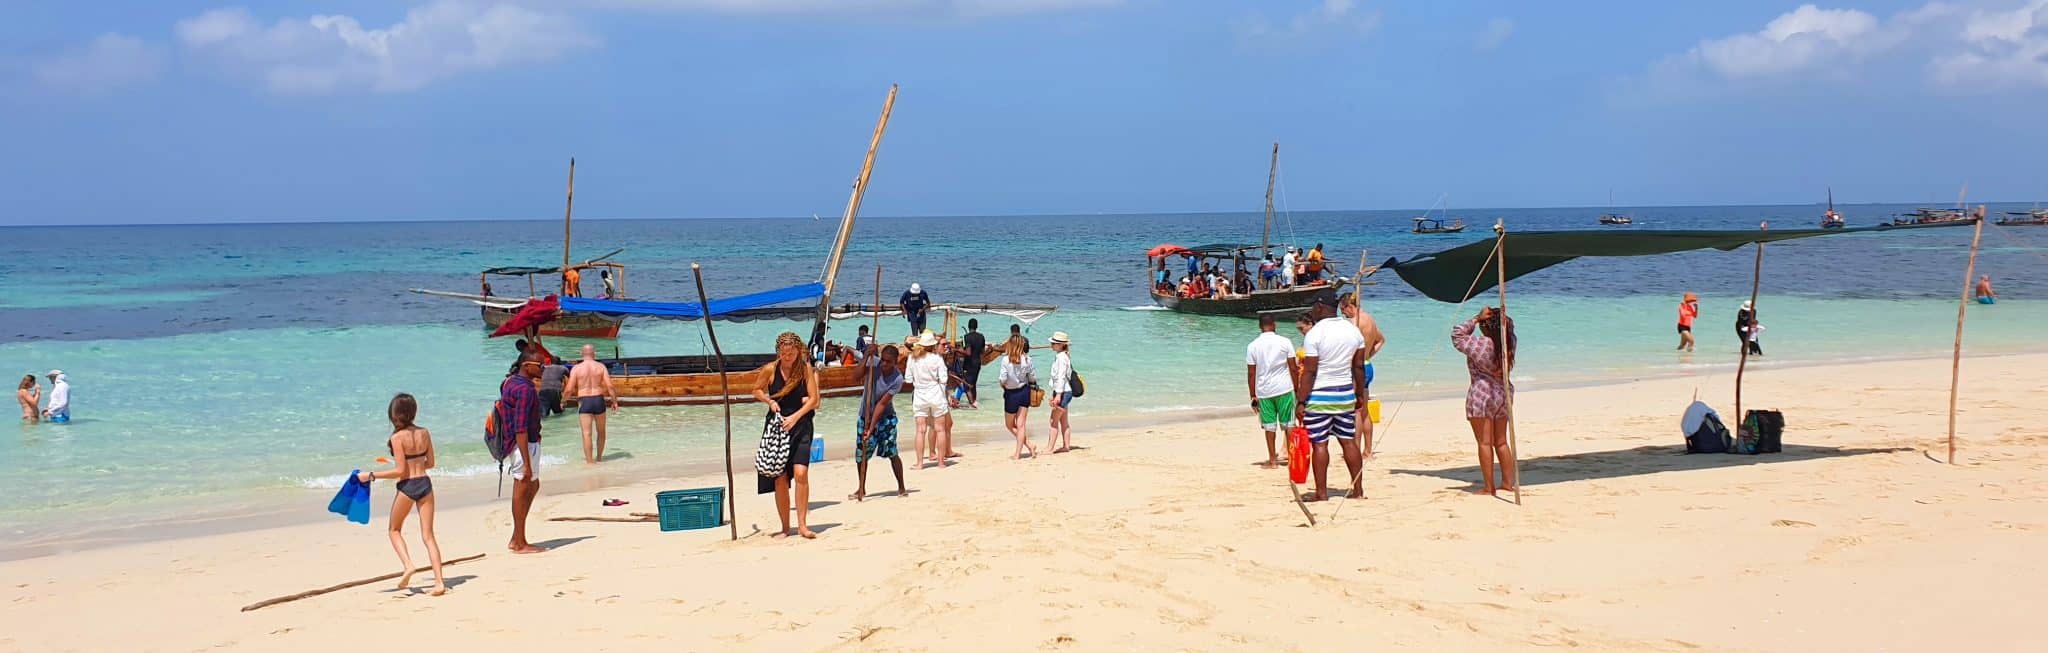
(2033, 218)
(1831, 219)
(1931, 216)
(1615, 219)
(1431, 226)
(1251, 300)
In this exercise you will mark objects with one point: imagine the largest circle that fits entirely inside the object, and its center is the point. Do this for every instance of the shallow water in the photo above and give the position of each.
(249, 365)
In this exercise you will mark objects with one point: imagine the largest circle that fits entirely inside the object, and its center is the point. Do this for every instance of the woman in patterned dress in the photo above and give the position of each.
(1486, 404)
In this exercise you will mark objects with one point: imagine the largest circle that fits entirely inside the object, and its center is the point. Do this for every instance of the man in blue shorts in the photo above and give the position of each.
(877, 420)
(1332, 383)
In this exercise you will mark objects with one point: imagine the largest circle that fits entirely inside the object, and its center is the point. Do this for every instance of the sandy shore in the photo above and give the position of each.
(1171, 538)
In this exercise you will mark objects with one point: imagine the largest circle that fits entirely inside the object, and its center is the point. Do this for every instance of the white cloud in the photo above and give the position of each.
(940, 7)
(107, 62)
(1999, 48)
(1801, 40)
(330, 53)
(1497, 32)
(1327, 17)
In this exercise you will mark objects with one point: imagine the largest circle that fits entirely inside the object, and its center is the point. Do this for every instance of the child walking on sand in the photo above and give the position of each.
(412, 454)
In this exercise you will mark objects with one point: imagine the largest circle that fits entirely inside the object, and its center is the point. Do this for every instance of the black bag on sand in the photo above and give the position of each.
(1763, 431)
(1707, 434)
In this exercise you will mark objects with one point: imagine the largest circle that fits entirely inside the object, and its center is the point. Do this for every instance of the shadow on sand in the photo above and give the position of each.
(1643, 460)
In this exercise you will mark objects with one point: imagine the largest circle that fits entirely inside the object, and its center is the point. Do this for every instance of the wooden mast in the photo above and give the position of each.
(725, 391)
(1266, 235)
(860, 187)
(1955, 368)
(568, 209)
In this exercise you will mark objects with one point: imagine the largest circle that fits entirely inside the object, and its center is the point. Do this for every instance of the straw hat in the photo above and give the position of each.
(927, 340)
(1060, 338)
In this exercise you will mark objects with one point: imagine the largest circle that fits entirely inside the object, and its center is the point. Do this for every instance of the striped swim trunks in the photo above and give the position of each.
(1331, 412)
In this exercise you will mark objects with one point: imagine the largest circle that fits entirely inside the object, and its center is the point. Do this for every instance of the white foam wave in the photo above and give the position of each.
(1143, 308)
(465, 471)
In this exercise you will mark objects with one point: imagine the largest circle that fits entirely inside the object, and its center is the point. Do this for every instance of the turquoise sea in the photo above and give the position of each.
(227, 376)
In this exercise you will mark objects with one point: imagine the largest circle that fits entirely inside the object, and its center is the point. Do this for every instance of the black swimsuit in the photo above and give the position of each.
(415, 488)
(800, 431)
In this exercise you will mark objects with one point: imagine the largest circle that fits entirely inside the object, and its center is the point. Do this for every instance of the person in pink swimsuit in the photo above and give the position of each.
(1487, 404)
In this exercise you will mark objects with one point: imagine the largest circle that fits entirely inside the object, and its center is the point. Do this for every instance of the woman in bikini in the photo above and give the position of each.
(789, 387)
(1481, 339)
(31, 397)
(412, 453)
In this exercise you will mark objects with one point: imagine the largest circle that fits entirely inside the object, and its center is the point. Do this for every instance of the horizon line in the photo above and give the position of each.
(229, 223)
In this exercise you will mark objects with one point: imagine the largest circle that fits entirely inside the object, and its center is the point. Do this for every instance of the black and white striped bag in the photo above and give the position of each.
(772, 458)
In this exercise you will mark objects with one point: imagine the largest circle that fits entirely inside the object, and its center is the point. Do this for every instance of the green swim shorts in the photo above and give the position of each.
(1276, 412)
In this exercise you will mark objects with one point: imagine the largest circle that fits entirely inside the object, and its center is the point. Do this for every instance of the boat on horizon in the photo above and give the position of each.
(1428, 225)
(2035, 217)
(1831, 219)
(1254, 299)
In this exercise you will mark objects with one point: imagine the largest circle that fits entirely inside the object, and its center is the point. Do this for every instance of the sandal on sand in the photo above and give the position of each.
(614, 503)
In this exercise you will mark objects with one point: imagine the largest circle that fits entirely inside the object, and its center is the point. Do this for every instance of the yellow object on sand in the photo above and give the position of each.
(1372, 410)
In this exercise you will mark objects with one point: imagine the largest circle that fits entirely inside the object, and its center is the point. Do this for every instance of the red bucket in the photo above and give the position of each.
(1298, 454)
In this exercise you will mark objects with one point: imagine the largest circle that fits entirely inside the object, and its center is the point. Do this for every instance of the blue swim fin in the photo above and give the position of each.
(345, 497)
(359, 511)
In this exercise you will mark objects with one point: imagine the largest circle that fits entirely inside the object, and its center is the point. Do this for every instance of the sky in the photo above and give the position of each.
(171, 111)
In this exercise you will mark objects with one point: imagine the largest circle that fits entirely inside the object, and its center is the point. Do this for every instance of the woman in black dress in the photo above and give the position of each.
(789, 387)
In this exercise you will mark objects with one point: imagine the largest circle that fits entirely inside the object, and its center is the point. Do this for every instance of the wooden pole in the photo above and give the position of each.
(860, 187)
(725, 391)
(1266, 235)
(568, 209)
(354, 583)
(1500, 266)
(1955, 368)
(1755, 283)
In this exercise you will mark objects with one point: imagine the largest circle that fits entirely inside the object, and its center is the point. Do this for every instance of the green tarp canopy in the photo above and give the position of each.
(1448, 276)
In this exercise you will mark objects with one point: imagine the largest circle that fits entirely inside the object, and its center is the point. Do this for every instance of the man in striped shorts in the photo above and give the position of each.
(1331, 381)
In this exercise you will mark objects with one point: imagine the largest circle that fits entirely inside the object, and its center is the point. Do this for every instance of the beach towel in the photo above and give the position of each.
(353, 500)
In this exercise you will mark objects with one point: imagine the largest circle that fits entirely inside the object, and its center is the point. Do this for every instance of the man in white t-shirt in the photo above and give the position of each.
(1287, 268)
(1331, 381)
(1269, 373)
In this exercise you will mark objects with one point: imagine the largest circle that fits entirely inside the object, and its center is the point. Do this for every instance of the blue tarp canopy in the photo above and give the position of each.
(809, 292)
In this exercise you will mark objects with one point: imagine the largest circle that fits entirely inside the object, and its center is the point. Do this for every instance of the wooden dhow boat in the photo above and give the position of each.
(1259, 299)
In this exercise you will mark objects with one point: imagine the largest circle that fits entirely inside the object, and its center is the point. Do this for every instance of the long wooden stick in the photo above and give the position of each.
(568, 208)
(1266, 235)
(354, 583)
(860, 189)
(620, 520)
(1755, 283)
(1955, 368)
(1500, 266)
(732, 500)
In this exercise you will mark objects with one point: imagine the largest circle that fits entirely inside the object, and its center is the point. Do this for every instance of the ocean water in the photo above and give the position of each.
(223, 371)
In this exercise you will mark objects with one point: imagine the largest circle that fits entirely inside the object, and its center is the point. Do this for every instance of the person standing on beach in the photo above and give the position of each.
(1487, 403)
(789, 387)
(1332, 382)
(928, 407)
(30, 396)
(1369, 331)
(522, 409)
(970, 377)
(552, 379)
(1688, 309)
(1746, 329)
(591, 383)
(1016, 376)
(1269, 373)
(915, 303)
(877, 421)
(412, 450)
(1061, 439)
(59, 409)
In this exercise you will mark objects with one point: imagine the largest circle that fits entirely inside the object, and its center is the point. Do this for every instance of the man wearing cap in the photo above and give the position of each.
(914, 304)
(59, 409)
(1688, 309)
(1331, 380)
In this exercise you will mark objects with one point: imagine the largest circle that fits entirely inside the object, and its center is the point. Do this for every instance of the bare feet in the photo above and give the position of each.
(806, 532)
(1356, 493)
(1270, 464)
(857, 496)
(405, 580)
(528, 549)
(438, 590)
(952, 454)
(1313, 497)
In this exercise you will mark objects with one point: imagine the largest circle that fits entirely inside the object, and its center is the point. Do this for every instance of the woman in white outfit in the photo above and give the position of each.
(1016, 377)
(1061, 390)
(928, 399)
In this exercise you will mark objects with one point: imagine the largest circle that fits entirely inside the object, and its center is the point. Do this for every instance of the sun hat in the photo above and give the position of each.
(55, 373)
(927, 340)
(1060, 338)
(914, 288)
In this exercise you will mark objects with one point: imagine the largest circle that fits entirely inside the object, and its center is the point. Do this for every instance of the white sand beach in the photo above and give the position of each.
(1856, 538)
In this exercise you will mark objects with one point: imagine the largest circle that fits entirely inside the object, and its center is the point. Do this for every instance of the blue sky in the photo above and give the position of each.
(173, 111)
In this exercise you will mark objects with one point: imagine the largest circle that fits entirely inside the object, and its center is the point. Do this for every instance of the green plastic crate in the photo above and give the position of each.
(683, 510)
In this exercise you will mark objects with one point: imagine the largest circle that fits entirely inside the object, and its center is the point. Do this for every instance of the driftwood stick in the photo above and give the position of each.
(354, 583)
(619, 520)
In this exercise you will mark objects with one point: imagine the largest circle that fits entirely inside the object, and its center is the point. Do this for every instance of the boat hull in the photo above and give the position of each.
(569, 325)
(1246, 306)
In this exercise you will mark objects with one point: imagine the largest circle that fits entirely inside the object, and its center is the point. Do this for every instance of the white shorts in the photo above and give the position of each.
(927, 409)
(517, 461)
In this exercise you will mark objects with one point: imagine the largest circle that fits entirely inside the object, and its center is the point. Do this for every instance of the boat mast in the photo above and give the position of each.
(860, 187)
(568, 208)
(1266, 236)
